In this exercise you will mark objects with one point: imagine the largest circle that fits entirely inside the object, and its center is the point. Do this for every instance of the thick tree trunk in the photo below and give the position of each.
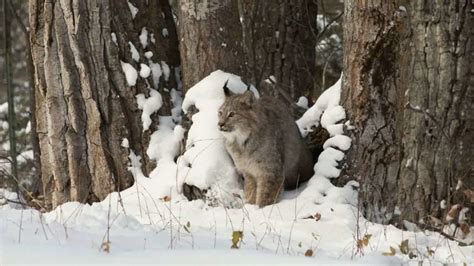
(408, 92)
(371, 98)
(84, 106)
(438, 128)
(253, 39)
(210, 38)
(279, 39)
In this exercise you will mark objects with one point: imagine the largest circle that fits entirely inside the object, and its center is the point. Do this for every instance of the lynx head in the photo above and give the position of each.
(236, 115)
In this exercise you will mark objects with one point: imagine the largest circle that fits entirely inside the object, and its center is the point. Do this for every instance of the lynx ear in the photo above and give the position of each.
(248, 97)
(227, 91)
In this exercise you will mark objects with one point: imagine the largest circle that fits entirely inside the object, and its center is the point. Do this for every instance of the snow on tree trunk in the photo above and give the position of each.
(407, 91)
(84, 106)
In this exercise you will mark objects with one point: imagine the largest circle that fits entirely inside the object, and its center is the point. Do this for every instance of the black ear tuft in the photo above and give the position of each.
(227, 91)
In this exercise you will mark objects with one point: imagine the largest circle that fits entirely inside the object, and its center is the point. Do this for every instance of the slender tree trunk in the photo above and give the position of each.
(84, 106)
(408, 92)
(7, 47)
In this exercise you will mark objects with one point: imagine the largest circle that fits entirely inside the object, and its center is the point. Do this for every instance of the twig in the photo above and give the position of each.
(439, 231)
(419, 110)
(171, 224)
(42, 225)
(21, 226)
(326, 27)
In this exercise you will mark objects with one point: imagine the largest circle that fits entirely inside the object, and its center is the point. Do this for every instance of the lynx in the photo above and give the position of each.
(265, 144)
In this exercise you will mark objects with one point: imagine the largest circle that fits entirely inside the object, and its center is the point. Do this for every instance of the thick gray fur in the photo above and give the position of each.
(264, 141)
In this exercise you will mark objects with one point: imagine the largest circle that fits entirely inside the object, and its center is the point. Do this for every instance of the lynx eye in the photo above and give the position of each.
(220, 113)
(231, 114)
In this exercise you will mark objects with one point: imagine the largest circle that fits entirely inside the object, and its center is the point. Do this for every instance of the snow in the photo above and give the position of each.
(131, 74)
(166, 70)
(443, 204)
(125, 143)
(4, 126)
(25, 156)
(327, 163)
(302, 102)
(134, 51)
(326, 105)
(149, 106)
(133, 9)
(28, 127)
(341, 142)
(4, 108)
(151, 222)
(164, 143)
(177, 101)
(114, 38)
(74, 233)
(144, 71)
(149, 54)
(164, 32)
(156, 72)
(322, 22)
(144, 37)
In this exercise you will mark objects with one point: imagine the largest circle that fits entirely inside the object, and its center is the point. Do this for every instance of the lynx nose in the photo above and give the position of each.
(220, 124)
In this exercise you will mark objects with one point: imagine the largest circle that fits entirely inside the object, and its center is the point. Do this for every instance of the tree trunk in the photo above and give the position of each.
(279, 39)
(438, 128)
(84, 106)
(253, 39)
(209, 33)
(12, 181)
(407, 92)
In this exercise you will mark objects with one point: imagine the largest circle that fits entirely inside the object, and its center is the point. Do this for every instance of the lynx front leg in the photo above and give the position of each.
(268, 190)
(249, 189)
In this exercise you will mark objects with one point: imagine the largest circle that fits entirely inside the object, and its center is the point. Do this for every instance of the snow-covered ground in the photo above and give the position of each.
(151, 230)
(151, 222)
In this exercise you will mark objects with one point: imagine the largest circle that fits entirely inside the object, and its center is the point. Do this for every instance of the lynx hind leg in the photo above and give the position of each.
(268, 190)
(250, 189)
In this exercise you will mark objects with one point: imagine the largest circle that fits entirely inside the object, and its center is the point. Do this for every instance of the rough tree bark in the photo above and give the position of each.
(84, 106)
(408, 92)
(253, 39)
(209, 34)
